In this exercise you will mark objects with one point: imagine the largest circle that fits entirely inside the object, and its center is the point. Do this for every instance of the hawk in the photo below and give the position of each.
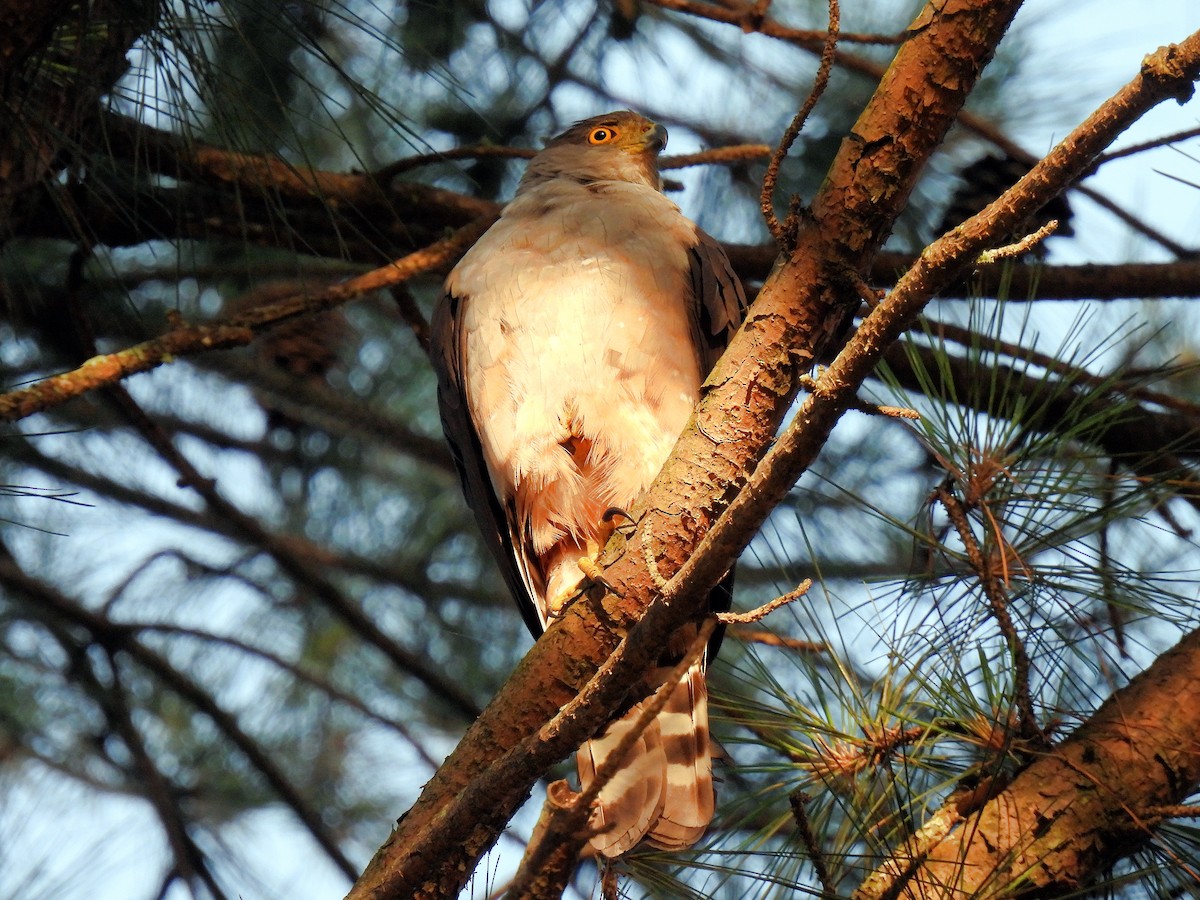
(570, 345)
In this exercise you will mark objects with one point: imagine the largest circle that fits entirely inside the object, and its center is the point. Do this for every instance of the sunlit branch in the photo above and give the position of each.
(183, 339)
(464, 806)
(551, 857)
(812, 42)
(785, 233)
(752, 18)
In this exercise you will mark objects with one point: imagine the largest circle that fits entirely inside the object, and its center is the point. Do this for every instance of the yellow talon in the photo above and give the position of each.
(587, 565)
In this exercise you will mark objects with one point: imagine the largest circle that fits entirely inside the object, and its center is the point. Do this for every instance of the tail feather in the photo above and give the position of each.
(663, 792)
(632, 801)
(689, 797)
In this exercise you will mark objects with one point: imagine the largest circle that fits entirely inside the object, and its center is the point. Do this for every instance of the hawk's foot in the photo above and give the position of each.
(591, 569)
(615, 512)
(571, 574)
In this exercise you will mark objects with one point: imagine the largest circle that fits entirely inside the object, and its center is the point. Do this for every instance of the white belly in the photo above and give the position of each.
(591, 340)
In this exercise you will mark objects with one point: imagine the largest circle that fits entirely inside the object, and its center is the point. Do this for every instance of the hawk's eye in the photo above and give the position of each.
(602, 135)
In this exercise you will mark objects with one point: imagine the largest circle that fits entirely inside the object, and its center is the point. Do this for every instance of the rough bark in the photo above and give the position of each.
(802, 307)
(1086, 804)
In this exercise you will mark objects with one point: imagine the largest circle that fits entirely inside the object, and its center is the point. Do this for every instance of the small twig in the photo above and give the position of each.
(784, 234)
(651, 563)
(163, 795)
(1108, 585)
(717, 156)
(758, 12)
(898, 869)
(798, 800)
(770, 639)
(753, 19)
(608, 883)
(478, 151)
(998, 607)
(407, 305)
(869, 295)
(1164, 141)
(546, 864)
(891, 412)
(757, 615)
(1011, 251)
(650, 709)
(185, 340)
(871, 409)
(734, 153)
(1174, 811)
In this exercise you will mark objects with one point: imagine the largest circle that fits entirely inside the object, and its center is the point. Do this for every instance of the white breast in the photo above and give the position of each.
(576, 325)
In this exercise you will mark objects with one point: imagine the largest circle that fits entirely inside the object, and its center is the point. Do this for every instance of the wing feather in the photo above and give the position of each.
(718, 302)
(497, 519)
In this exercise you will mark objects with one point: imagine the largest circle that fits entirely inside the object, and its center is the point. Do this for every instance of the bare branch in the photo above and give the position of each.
(998, 607)
(1024, 245)
(785, 234)
(752, 18)
(757, 615)
(472, 795)
(550, 858)
(184, 340)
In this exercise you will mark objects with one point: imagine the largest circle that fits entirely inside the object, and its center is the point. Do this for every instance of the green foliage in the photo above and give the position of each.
(322, 616)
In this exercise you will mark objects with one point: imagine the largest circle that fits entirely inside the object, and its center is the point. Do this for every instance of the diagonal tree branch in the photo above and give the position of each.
(184, 339)
(1079, 808)
(752, 19)
(802, 308)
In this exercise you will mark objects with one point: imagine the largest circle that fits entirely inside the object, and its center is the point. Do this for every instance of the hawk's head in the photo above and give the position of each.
(617, 146)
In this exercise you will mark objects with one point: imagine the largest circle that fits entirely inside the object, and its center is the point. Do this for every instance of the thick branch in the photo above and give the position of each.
(1021, 282)
(1088, 803)
(470, 799)
(754, 19)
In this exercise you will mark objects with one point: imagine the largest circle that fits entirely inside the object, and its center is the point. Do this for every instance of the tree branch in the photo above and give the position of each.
(801, 308)
(185, 340)
(1079, 808)
(115, 638)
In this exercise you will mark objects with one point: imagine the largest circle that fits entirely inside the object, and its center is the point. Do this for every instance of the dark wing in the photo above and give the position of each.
(497, 520)
(718, 303)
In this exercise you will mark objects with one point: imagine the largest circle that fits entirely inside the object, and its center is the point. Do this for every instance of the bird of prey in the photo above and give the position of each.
(570, 344)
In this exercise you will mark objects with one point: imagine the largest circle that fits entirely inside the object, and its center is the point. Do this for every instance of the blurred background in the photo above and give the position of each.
(244, 611)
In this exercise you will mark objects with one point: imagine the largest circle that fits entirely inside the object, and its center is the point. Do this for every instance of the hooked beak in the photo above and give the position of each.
(655, 139)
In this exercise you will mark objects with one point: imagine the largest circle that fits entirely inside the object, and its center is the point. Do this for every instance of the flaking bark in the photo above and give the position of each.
(801, 309)
(1086, 804)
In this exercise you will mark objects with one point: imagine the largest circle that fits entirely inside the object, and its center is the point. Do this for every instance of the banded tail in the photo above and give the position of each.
(663, 792)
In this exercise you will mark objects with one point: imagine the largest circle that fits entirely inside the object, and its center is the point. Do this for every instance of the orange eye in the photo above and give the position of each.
(602, 135)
